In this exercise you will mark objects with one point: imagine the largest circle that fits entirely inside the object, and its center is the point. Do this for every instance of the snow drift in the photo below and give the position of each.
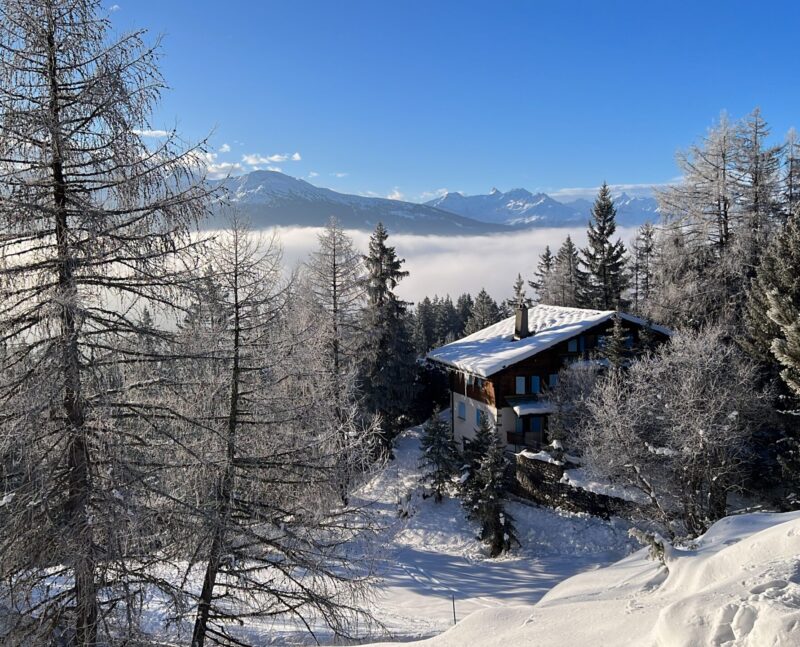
(738, 585)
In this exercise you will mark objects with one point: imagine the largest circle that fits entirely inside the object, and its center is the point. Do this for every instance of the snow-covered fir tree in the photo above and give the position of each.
(615, 347)
(778, 287)
(388, 358)
(541, 276)
(475, 449)
(424, 323)
(491, 486)
(464, 305)
(484, 313)
(518, 296)
(603, 257)
(567, 285)
(483, 486)
(439, 460)
(447, 323)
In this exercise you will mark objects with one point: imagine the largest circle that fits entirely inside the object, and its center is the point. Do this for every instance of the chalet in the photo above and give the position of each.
(504, 372)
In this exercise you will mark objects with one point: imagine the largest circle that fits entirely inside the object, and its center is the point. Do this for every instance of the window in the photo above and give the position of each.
(536, 424)
(572, 346)
(519, 427)
(629, 341)
(552, 380)
(462, 410)
(520, 385)
(478, 417)
(536, 384)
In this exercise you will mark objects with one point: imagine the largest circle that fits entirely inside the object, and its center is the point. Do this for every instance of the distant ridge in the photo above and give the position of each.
(520, 207)
(270, 198)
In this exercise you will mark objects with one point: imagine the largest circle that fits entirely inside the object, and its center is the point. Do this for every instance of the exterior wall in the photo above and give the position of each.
(490, 394)
(506, 422)
(465, 428)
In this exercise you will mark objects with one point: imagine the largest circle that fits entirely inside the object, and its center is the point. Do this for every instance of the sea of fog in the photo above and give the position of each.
(452, 264)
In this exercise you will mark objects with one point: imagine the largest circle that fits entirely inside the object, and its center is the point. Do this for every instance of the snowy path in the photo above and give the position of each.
(433, 555)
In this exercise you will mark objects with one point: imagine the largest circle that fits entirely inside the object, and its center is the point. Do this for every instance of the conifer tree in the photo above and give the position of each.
(464, 310)
(424, 322)
(791, 174)
(644, 248)
(615, 347)
(757, 171)
(777, 286)
(261, 418)
(484, 313)
(497, 526)
(446, 324)
(475, 449)
(439, 455)
(389, 368)
(567, 284)
(518, 296)
(541, 280)
(335, 274)
(604, 258)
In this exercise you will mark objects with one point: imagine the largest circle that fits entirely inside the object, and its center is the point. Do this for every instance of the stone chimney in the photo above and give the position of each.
(521, 329)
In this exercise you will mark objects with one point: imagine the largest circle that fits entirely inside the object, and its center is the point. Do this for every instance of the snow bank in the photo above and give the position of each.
(738, 586)
(580, 478)
(542, 456)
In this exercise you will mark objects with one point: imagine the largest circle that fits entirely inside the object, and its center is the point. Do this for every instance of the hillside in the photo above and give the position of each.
(522, 208)
(270, 198)
(738, 586)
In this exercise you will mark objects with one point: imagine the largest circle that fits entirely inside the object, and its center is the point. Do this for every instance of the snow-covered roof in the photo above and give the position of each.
(492, 349)
(530, 406)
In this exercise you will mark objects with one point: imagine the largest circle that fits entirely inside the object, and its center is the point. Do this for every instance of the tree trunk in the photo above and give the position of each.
(78, 459)
(225, 490)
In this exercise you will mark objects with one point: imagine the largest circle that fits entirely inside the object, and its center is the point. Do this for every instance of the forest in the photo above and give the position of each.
(185, 419)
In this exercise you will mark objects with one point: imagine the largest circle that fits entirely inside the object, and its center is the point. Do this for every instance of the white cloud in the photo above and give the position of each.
(114, 7)
(430, 195)
(453, 264)
(313, 174)
(151, 133)
(395, 194)
(225, 148)
(277, 169)
(339, 174)
(224, 169)
(589, 193)
(255, 158)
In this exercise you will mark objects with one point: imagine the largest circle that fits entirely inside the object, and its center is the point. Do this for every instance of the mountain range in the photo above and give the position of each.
(270, 198)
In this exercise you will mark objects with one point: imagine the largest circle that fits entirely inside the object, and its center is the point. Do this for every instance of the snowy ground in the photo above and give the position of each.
(738, 586)
(433, 555)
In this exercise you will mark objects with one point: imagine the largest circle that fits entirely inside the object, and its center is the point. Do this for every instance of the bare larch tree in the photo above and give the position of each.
(91, 222)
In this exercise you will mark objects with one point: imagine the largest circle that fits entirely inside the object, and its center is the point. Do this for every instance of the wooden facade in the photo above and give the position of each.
(534, 375)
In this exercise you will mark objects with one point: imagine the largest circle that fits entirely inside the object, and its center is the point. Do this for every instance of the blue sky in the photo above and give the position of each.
(410, 98)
